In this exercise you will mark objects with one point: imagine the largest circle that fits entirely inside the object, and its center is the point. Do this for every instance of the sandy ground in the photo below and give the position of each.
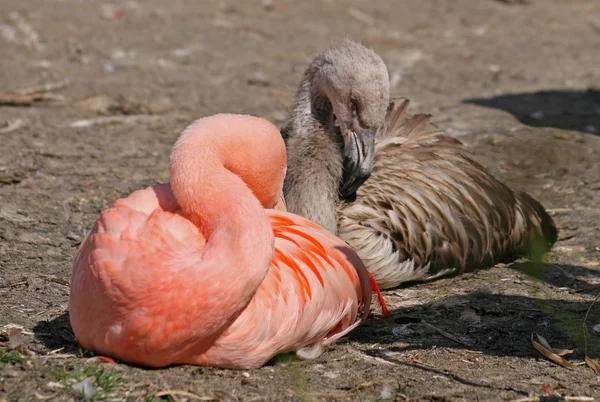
(513, 81)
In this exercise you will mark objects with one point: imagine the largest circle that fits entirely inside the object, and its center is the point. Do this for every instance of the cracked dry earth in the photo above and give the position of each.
(517, 82)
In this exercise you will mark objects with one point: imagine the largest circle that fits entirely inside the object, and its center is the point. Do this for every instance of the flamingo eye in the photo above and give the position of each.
(355, 114)
(354, 108)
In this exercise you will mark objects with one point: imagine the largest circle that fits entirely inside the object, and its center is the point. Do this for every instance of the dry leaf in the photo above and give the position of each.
(548, 354)
(43, 397)
(560, 352)
(15, 338)
(563, 352)
(593, 365)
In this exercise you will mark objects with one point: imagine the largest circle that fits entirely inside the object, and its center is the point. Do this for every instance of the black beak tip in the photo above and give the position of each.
(357, 164)
(350, 197)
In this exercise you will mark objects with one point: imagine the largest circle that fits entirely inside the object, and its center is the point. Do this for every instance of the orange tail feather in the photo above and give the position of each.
(375, 288)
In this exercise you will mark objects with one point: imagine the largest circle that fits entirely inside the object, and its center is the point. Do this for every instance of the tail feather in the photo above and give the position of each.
(395, 118)
(399, 123)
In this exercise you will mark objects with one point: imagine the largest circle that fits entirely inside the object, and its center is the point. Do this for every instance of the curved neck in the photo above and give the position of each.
(314, 154)
(312, 106)
(239, 237)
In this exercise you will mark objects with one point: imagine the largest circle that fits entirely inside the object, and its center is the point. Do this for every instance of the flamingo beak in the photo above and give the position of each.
(358, 155)
(280, 206)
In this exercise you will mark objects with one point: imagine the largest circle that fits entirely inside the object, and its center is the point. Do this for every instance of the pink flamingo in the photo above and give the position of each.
(199, 272)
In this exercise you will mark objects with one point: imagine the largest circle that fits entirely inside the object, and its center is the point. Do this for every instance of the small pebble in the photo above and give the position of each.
(470, 316)
(569, 249)
(267, 4)
(108, 66)
(85, 387)
(401, 331)
(539, 115)
(388, 391)
(258, 79)
(494, 68)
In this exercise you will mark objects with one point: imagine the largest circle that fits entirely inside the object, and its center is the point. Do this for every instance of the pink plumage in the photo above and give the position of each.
(197, 271)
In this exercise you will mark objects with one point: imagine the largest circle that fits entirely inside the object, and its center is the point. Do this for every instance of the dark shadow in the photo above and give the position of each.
(513, 2)
(505, 326)
(56, 334)
(507, 321)
(442, 373)
(558, 275)
(569, 110)
(562, 275)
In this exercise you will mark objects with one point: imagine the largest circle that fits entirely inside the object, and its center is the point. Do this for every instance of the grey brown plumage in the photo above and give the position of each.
(430, 209)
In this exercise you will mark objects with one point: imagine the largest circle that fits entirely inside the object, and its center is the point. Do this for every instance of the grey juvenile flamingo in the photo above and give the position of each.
(427, 209)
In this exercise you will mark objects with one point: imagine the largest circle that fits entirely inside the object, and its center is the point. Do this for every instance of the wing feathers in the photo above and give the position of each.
(429, 205)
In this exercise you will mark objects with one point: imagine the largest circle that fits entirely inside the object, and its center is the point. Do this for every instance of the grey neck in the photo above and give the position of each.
(314, 155)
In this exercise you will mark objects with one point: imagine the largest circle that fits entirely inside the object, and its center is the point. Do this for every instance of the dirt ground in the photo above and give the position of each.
(517, 82)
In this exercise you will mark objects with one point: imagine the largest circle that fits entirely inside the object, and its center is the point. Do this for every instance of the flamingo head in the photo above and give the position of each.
(350, 95)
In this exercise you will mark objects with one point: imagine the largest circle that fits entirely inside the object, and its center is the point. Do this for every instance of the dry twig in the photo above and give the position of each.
(57, 356)
(446, 334)
(563, 398)
(174, 393)
(49, 87)
(31, 95)
(27, 100)
(43, 397)
(593, 365)
(12, 125)
(128, 119)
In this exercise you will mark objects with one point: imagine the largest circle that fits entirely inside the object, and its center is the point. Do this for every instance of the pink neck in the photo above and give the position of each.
(239, 237)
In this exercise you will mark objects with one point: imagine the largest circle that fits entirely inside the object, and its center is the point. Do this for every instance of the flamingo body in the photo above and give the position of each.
(410, 200)
(184, 273)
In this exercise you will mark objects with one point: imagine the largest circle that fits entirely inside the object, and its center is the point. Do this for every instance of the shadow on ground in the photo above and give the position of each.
(578, 279)
(558, 275)
(488, 323)
(492, 324)
(569, 110)
(57, 334)
(498, 324)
